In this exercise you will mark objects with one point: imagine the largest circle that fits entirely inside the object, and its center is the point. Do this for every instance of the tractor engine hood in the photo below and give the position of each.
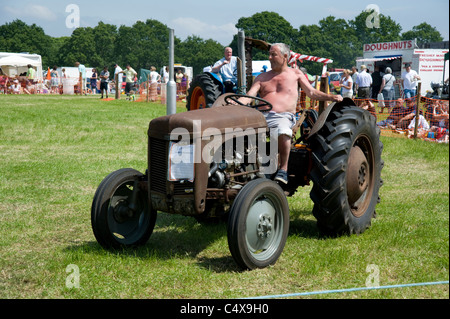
(196, 122)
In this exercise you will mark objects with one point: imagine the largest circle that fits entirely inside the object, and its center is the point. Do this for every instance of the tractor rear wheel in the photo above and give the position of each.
(203, 92)
(346, 172)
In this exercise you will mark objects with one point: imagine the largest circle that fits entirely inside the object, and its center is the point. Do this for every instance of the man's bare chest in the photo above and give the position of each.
(279, 85)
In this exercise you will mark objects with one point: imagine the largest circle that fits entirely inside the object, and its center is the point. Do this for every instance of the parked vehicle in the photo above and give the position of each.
(333, 81)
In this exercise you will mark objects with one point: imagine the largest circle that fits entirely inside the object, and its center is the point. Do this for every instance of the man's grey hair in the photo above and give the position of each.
(284, 49)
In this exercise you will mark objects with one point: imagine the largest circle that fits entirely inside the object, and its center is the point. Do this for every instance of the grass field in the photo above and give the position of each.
(55, 150)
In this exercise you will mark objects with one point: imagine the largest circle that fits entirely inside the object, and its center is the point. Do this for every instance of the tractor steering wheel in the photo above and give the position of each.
(267, 106)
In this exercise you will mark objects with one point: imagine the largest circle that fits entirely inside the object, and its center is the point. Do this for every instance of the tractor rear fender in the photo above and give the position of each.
(323, 117)
(217, 79)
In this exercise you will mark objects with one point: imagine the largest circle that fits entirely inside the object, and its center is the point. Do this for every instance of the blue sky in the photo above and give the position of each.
(214, 19)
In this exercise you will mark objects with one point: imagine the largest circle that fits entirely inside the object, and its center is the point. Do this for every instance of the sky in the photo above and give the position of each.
(212, 19)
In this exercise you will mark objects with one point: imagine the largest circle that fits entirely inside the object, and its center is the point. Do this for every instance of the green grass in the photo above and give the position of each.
(55, 150)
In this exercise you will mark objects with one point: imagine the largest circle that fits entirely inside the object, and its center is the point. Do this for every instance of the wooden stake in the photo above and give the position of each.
(323, 88)
(418, 96)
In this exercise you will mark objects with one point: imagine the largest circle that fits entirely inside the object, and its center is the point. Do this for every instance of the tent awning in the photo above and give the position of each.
(17, 61)
(380, 58)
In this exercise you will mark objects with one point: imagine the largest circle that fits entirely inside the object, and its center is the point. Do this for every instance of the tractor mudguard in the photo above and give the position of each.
(217, 79)
(323, 117)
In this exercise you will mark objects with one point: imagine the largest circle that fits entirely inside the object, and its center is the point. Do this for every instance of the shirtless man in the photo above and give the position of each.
(280, 87)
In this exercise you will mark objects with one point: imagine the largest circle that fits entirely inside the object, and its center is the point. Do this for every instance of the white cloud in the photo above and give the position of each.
(31, 11)
(185, 27)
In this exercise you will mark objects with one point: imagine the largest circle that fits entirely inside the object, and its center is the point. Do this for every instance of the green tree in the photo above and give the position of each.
(80, 47)
(105, 36)
(269, 27)
(386, 31)
(143, 45)
(17, 36)
(54, 57)
(312, 41)
(198, 53)
(331, 38)
(424, 33)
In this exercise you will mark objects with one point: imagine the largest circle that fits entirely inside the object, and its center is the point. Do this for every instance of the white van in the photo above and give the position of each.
(188, 70)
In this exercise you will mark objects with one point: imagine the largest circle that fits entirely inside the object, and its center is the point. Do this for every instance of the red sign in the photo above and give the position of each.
(389, 46)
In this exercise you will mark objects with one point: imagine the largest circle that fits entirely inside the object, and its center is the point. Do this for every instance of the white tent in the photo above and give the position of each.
(13, 64)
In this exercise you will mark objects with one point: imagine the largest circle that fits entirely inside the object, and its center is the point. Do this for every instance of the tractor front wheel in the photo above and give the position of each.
(120, 213)
(258, 224)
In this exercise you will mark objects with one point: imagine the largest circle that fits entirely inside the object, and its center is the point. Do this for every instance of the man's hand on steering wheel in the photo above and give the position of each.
(234, 99)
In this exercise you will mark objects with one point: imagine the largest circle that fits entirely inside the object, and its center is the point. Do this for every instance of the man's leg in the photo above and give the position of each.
(284, 149)
(407, 93)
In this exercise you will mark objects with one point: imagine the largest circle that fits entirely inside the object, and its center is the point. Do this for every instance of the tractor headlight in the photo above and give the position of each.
(181, 162)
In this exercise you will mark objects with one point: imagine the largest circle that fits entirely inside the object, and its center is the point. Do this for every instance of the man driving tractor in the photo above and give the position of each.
(280, 87)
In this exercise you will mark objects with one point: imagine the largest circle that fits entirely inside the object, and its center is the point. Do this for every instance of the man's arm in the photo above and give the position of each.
(252, 92)
(315, 94)
(418, 77)
(219, 64)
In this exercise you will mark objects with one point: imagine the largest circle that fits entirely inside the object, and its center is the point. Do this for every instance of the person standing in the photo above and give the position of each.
(82, 72)
(387, 88)
(31, 72)
(130, 73)
(54, 81)
(346, 83)
(377, 78)
(104, 79)
(409, 81)
(31, 76)
(354, 77)
(155, 77)
(363, 83)
(166, 74)
(94, 78)
(117, 72)
(178, 78)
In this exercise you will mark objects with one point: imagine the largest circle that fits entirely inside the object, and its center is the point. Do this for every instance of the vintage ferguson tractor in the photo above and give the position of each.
(218, 162)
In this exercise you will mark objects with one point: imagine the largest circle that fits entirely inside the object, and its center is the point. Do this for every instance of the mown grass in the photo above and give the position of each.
(55, 150)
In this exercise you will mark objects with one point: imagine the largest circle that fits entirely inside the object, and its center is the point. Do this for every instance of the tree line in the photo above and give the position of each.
(145, 44)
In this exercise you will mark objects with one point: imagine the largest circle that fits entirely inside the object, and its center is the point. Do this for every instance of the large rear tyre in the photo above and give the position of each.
(120, 214)
(203, 92)
(346, 172)
(258, 224)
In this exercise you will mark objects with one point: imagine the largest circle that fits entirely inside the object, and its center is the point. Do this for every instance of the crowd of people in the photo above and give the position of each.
(369, 91)
(83, 82)
(23, 83)
(378, 89)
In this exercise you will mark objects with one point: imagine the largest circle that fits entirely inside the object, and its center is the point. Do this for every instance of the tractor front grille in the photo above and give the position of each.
(158, 165)
(158, 154)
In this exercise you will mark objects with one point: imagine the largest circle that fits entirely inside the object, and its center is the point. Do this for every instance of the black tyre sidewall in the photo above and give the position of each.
(330, 152)
(100, 204)
(209, 88)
